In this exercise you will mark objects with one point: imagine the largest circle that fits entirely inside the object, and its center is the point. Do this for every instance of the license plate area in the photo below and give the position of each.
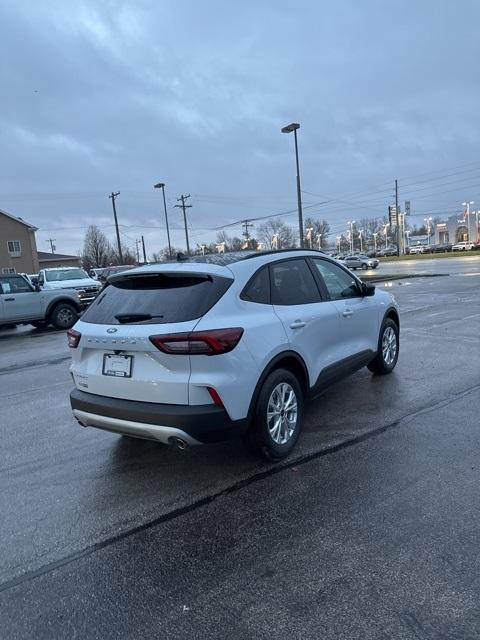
(117, 365)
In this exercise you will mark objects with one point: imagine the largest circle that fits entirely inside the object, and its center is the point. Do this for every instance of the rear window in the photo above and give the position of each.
(157, 299)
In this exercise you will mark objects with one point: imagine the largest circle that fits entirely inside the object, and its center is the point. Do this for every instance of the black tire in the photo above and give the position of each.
(364, 266)
(383, 362)
(64, 316)
(39, 324)
(260, 439)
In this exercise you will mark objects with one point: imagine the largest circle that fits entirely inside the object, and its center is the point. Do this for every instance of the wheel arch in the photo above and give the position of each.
(289, 360)
(392, 314)
(57, 301)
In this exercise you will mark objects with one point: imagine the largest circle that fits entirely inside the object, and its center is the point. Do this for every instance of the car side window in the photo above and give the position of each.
(339, 283)
(14, 284)
(258, 289)
(292, 283)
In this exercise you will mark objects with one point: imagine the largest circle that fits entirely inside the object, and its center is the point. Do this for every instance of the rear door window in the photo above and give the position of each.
(157, 298)
(292, 282)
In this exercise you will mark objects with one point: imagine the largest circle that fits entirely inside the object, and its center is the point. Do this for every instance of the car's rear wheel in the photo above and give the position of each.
(388, 349)
(64, 316)
(277, 417)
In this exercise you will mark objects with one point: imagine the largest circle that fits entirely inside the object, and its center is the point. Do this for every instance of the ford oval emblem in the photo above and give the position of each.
(112, 330)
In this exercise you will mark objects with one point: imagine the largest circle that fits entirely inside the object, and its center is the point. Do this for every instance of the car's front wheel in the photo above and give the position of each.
(277, 416)
(64, 316)
(364, 266)
(388, 348)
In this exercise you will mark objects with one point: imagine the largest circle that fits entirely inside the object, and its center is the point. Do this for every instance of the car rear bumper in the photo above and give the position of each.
(194, 424)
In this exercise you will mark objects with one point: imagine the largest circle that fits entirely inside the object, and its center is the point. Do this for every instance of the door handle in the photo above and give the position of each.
(9, 299)
(347, 313)
(297, 324)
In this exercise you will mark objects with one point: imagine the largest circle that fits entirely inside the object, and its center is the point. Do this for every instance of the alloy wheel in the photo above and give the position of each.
(389, 346)
(282, 413)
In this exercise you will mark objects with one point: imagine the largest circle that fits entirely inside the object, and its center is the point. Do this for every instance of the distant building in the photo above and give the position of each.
(47, 260)
(457, 228)
(18, 249)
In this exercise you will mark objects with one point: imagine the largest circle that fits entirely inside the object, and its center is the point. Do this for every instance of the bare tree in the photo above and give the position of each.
(275, 234)
(97, 250)
(236, 244)
(318, 237)
(163, 255)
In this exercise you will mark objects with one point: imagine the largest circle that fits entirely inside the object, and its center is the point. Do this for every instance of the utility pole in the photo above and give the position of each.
(397, 213)
(119, 246)
(184, 207)
(52, 246)
(246, 224)
(144, 253)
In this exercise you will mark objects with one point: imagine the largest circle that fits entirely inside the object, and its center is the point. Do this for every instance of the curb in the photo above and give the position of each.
(401, 276)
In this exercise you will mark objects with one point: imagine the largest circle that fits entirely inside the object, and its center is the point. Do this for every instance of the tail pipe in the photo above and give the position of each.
(178, 442)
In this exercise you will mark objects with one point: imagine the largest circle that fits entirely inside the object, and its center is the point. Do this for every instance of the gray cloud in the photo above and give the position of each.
(118, 95)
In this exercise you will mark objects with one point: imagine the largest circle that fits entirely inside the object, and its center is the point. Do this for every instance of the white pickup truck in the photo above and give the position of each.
(23, 303)
(70, 278)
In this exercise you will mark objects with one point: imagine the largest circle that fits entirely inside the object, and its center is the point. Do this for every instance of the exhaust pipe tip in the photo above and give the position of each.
(178, 442)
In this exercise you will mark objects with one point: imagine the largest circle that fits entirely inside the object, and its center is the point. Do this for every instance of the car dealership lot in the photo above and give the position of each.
(67, 492)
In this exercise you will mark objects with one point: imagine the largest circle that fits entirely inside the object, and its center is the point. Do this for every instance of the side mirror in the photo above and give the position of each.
(37, 287)
(368, 289)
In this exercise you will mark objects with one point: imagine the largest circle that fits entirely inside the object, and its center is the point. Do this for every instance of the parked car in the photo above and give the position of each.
(360, 262)
(108, 271)
(23, 303)
(417, 248)
(94, 273)
(442, 248)
(69, 278)
(463, 246)
(195, 352)
(388, 252)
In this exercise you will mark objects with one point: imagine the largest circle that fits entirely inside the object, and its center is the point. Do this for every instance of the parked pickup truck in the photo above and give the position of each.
(23, 303)
(70, 278)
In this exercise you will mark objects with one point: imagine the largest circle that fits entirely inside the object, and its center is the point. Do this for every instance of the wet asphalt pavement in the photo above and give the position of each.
(369, 531)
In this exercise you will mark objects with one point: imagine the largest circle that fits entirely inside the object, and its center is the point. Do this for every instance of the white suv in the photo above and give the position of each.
(225, 345)
(463, 246)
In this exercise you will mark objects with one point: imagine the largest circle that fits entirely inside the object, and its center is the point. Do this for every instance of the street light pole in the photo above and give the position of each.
(288, 129)
(375, 242)
(350, 224)
(428, 220)
(161, 185)
(467, 204)
(309, 231)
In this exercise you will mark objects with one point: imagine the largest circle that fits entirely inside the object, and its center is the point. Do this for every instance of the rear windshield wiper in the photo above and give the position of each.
(125, 318)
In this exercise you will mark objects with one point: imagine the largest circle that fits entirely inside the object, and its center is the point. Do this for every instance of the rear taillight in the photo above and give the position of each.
(207, 343)
(73, 338)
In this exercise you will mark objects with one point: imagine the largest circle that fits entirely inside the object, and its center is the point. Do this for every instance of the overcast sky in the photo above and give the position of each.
(110, 95)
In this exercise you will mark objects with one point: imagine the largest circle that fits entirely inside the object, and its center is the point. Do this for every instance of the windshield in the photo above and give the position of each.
(56, 275)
